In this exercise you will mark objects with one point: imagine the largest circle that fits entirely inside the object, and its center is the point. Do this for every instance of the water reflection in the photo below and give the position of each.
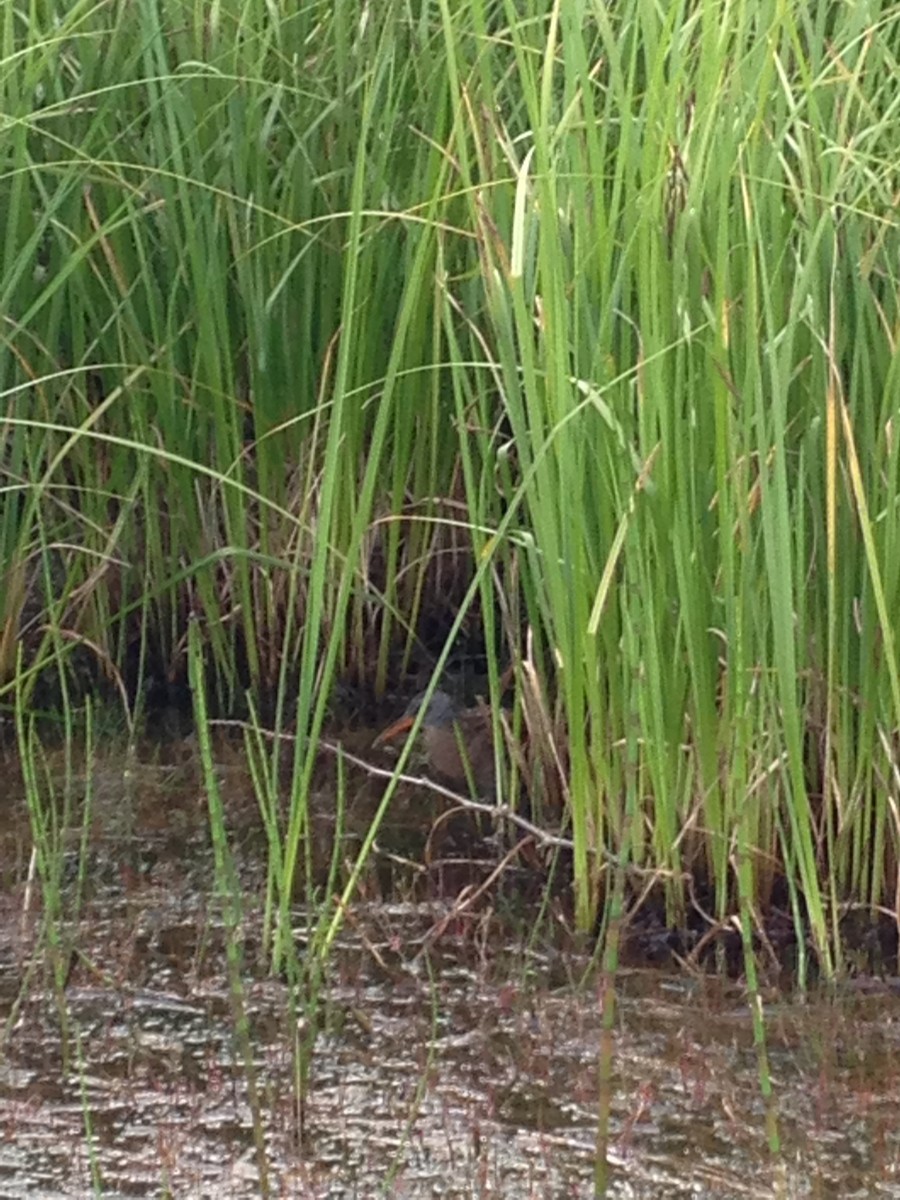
(467, 1069)
(463, 1079)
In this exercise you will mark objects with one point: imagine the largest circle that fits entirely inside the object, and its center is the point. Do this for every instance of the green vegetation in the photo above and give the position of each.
(580, 317)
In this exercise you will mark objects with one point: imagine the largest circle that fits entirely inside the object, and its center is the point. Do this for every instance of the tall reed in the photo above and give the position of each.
(583, 317)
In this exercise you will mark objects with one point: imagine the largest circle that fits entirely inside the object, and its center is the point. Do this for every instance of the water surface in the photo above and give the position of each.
(447, 1061)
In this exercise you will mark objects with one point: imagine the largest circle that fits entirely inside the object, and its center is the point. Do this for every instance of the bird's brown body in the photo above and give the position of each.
(459, 744)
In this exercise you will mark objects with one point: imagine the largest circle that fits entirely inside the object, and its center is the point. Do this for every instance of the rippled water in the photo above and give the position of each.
(467, 1071)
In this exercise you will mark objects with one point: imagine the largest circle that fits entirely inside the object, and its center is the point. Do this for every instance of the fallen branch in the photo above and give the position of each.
(497, 812)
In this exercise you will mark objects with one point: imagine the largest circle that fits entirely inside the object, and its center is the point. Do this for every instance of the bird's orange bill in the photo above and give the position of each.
(402, 726)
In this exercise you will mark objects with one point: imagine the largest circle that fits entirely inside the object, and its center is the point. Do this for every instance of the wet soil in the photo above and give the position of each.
(451, 1050)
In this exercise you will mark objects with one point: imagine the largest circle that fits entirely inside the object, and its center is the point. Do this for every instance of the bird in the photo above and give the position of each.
(459, 743)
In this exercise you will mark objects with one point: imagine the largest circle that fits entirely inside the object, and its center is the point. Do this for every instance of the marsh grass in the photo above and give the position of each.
(59, 804)
(576, 321)
(228, 893)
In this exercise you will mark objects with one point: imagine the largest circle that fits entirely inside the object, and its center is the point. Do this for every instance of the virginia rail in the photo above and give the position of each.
(459, 743)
